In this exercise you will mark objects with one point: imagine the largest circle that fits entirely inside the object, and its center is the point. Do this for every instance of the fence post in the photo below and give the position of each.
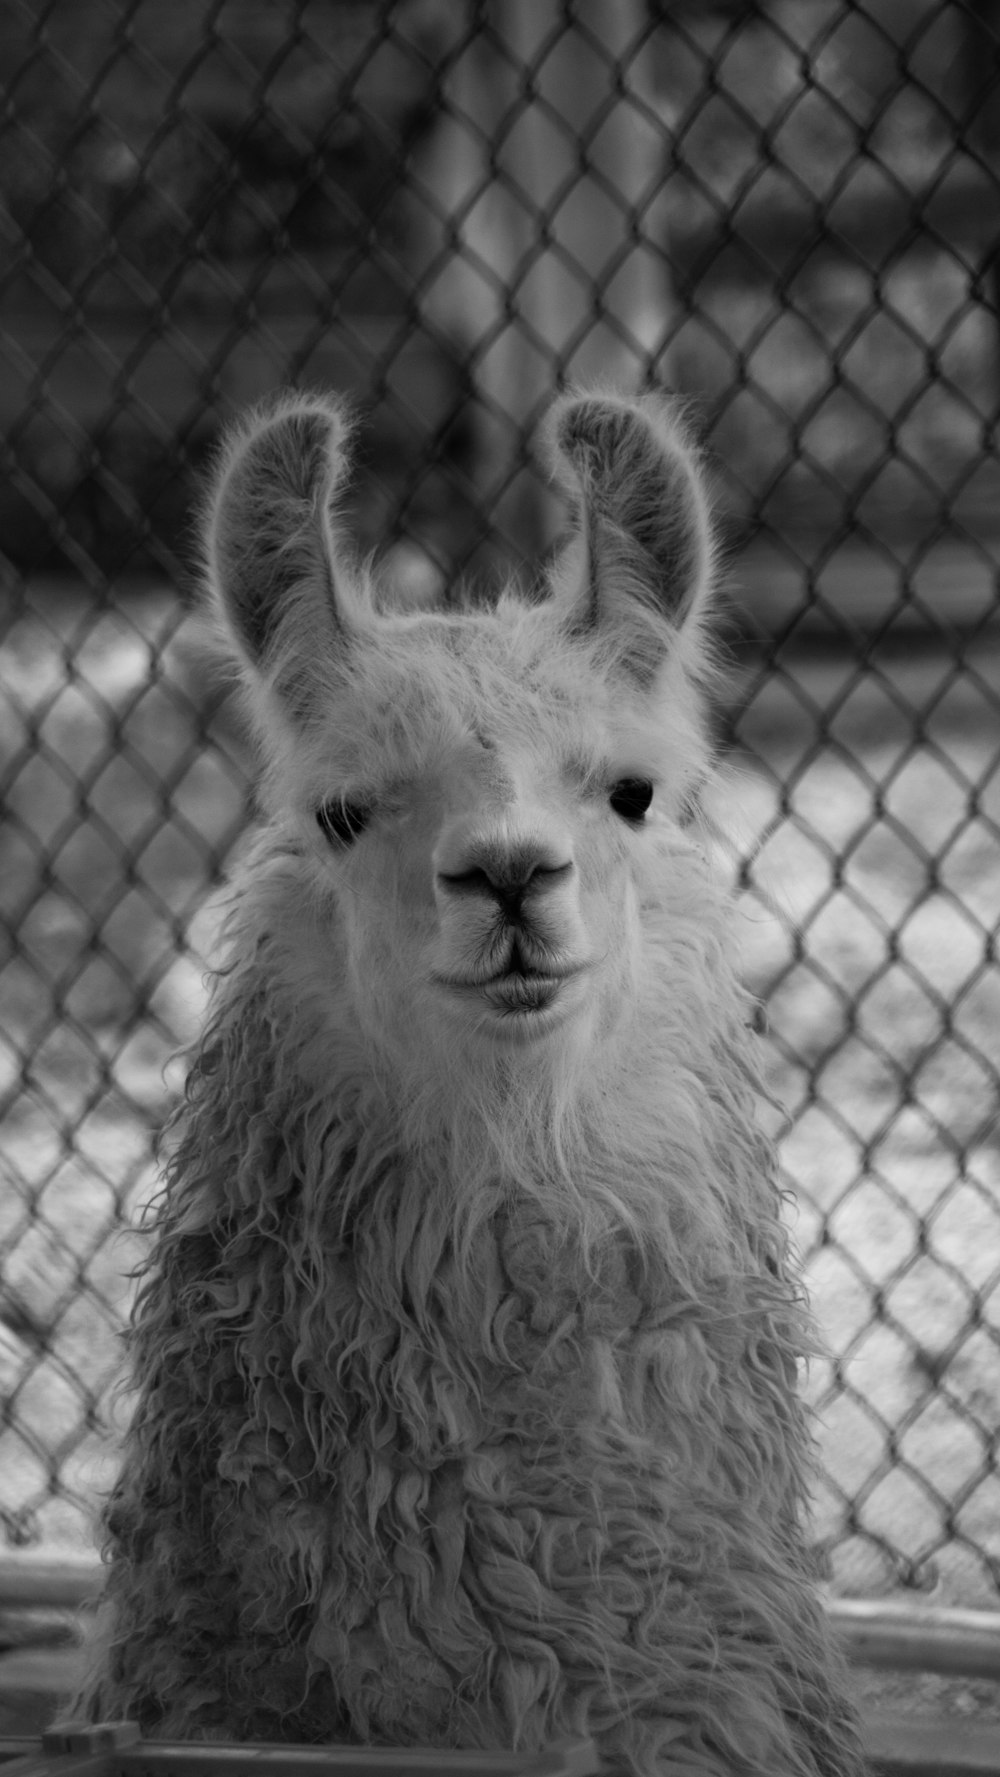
(978, 112)
(545, 171)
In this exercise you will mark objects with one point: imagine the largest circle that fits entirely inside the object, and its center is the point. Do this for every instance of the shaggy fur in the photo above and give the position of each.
(466, 1353)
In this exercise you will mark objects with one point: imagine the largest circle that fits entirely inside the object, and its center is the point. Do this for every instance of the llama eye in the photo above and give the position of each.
(630, 797)
(342, 821)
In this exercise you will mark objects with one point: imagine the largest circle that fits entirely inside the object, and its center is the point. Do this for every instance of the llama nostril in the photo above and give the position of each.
(467, 882)
(507, 880)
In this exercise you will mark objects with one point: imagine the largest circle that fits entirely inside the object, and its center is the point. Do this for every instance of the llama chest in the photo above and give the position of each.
(517, 1373)
(499, 1453)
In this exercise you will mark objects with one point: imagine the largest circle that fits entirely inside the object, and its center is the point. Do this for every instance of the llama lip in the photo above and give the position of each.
(516, 991)
(522, 993)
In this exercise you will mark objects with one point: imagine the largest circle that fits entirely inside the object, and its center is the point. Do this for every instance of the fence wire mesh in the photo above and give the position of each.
(788, 211)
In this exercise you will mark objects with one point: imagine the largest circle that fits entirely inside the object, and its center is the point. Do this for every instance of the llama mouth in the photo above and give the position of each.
(516, 993)
(522, 993)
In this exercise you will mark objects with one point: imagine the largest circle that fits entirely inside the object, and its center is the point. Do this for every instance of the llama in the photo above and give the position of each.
(466, 1350)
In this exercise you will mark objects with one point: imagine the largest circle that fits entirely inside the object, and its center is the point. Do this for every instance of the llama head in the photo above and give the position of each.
(481, 809)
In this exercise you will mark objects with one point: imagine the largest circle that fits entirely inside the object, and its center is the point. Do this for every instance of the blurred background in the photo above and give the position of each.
(788, 212)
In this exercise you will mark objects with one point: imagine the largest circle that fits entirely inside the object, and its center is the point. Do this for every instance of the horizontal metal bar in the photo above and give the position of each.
(919, 1638)
(896, 1747)
(163, 1758)
(900, 1637)
(41, 1585)
(904, 1747)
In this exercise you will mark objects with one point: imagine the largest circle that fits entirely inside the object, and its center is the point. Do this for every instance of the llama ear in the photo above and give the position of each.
(641, 559)
(269, 541)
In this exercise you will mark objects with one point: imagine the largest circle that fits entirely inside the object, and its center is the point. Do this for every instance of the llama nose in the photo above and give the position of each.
(506, 873)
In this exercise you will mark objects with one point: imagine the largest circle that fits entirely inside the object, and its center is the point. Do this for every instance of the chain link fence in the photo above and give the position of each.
(788, 211)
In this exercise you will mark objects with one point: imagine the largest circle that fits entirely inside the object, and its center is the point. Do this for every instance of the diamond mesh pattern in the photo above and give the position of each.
(786, 211)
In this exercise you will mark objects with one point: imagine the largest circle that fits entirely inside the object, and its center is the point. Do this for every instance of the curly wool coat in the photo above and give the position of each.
(464, 1417)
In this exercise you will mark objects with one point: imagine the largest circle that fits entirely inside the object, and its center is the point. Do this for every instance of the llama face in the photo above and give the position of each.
(493, 890)
(484, 802)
